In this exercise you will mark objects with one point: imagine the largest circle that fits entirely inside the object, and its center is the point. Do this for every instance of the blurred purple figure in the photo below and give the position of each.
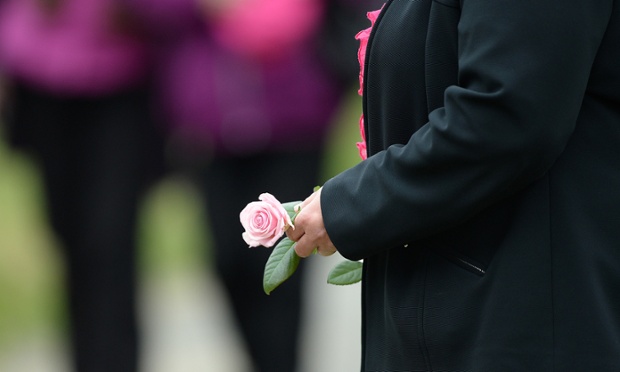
(250, 88)
(79, 102)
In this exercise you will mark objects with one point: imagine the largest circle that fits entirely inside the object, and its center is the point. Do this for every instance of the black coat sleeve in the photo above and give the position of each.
(523, 72)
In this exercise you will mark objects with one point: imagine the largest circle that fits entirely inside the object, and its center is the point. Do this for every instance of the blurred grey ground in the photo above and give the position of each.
(188, 329)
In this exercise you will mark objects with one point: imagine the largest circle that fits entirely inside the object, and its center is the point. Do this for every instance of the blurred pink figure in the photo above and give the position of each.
(78, 73)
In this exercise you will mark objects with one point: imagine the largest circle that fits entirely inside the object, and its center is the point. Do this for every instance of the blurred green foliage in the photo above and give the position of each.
(30, 280)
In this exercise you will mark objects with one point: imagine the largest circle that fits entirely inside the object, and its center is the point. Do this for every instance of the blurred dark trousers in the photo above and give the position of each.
(96, 156)
(269, 324)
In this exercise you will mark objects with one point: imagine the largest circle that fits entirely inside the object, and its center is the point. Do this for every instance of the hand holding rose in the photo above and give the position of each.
(309, 232)
(266, 221)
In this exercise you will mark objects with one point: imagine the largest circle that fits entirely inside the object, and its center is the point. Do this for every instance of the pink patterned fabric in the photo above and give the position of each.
(363, 37)
(361, 146)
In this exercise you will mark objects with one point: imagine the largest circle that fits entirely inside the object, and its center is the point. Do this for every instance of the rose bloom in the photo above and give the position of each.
(264, 221)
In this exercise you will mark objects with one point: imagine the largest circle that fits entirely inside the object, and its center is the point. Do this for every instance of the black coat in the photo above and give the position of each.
(488, 215)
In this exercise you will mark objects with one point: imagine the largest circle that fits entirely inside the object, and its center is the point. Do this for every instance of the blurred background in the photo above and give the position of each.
(132, 134)
(185, 316)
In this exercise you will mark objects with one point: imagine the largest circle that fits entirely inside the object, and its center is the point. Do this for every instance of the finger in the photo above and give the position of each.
(304, 203)
(298, 230)
(303, 247)
(295, 233)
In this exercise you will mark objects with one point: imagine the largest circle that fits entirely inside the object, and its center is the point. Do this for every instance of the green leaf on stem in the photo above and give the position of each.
(281, 264)
(345, 273)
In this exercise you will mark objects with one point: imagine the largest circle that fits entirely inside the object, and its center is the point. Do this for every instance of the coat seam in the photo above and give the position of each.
(422, 337)
(551, 273)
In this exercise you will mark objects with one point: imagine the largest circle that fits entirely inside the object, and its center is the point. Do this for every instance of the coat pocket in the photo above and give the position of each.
(464, 261)
(473, 244)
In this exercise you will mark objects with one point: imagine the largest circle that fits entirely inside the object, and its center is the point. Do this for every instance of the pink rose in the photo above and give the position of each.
(264, 221)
